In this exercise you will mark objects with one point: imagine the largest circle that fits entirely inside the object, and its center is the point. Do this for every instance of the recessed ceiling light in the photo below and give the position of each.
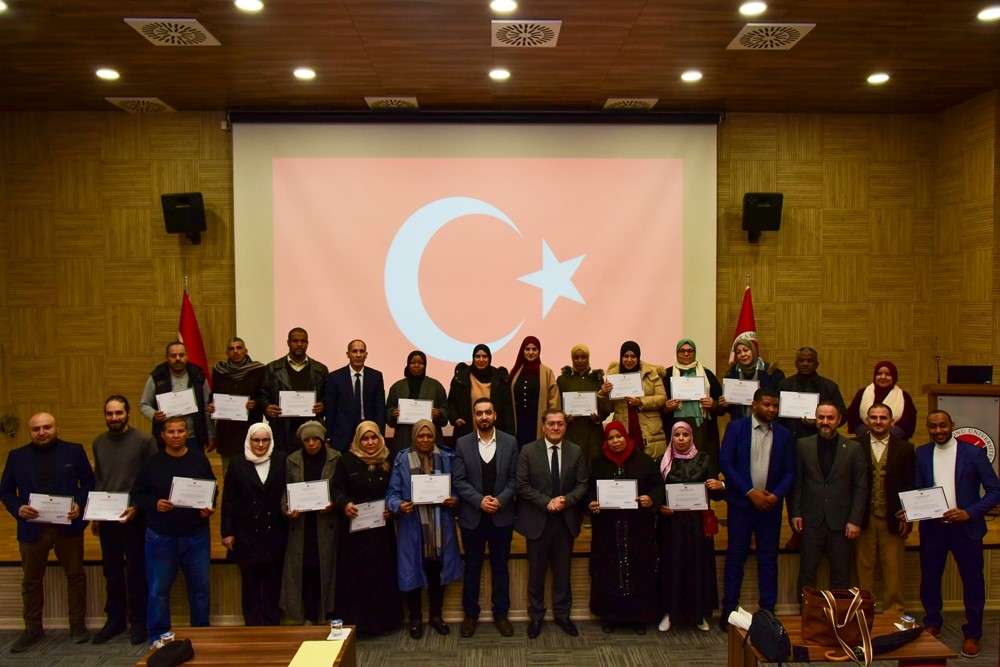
(3, 6)
(753, 8)
(249, 5)
(107, 74)
(503, 6)
(691, 76)
(499, 75)
(989, 14)
(879, 77)
(304, 73)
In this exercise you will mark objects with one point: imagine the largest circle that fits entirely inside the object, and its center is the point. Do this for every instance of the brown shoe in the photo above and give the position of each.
(970, 648)
(932, 631)
(504, 626)
(468, 626)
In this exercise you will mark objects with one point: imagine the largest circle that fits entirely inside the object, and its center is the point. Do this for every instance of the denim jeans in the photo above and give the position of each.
(164, 555)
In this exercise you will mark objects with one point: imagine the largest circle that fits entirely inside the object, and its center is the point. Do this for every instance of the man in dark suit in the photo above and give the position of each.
(294, 372)
(960, 530)
(551, 484)
(890, 463)
(757, 458)
(354, 394)
(829, 500)
(52, 467)
(484, 475)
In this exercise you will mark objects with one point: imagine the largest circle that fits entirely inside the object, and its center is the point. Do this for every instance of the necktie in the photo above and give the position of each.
(555, 471)
(358, 412)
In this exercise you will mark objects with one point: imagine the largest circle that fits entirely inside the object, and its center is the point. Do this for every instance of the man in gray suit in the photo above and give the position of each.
(484, 474)
(830, 498)
(551, 484)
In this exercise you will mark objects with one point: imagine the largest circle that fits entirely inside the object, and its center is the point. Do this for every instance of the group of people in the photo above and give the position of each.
(518, 462)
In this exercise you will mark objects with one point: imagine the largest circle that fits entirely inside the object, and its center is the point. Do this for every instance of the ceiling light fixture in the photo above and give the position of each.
(989, 14)
(880, 77)
(691, 76)
(107, 74)
(753, 8)
(304, 73)
(499, 75)
(3, 6)
(503, 6)
(249, 5)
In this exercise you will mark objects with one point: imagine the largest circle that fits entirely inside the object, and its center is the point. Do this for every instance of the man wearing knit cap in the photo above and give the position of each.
(294, 372)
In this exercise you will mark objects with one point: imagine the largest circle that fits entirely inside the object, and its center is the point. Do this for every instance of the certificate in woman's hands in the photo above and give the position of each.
(309, 496)
(369, 516)
(687, 497)
(430, 489)
(617, 494)
(624, 385)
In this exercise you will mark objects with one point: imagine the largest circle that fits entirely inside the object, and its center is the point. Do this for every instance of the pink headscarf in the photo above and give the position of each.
(668, 456)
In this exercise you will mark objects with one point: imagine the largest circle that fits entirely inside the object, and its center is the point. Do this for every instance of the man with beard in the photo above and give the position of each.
(119, 453)
(294, 372)
(173, 375)
(238, 375)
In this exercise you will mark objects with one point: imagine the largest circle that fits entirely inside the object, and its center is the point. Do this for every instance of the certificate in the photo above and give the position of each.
(429, 489)
(921, 504)
(309, 496)
(369, 516)
(51, 509)
(177, 403)
(687, 388)
(230, 407)
(739, 392)
(192, 493)
(686, 497)
(296, 403)
(798, 404)
(617, 494)
(579, 403)
(624, 385)
(413, 410)
(103, 506)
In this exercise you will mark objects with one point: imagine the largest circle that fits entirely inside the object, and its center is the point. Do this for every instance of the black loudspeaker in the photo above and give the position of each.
(761, 213)
(184, 213)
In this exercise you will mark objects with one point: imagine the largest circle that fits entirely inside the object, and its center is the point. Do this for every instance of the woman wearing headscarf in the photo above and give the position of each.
(533, 389)
(699, 415)
(367, 587)
(309, 581)
(623, 546)
(253, 526)
(427, 547)
(883, 389)
(415, 385)
(747, 365)
(640, 414)
(688, 583)
(585, 431)
(479, 380)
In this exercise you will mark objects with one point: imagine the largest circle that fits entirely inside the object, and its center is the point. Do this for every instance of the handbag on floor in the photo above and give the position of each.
(769, 637)
(842, 619)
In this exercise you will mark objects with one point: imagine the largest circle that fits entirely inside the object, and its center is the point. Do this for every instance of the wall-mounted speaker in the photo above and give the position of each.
(761, 213)
(184, 213)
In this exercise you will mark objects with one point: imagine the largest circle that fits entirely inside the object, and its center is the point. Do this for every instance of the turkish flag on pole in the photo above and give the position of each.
(189, 334)
(746, 327)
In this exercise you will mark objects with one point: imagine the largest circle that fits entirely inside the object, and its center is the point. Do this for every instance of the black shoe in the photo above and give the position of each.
(568, 626)
(607, 628)
(724, 622)
(26, 639)
(416, 630)
(640, 629)
(79, 635)
(107, 632)
(534, 629)
(139, 635)
(439, 625)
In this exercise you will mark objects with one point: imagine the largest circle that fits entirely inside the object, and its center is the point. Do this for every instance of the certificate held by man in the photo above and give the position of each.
(309, 496)
(617, 494)
(625, 385)
(686, 497)
(177, 403)
(296, 403)
(923, 504)
(104, 506)
(230, 407)
(192, 493)
(430, 489)
(798, 405)
(51, 509)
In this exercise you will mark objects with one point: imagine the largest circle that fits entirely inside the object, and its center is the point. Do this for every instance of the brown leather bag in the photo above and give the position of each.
(837, 617)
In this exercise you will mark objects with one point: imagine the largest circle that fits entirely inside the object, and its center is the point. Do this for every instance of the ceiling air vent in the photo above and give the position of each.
(173, 32)
(770, 36)
(140, 104)
(525, 33)
(392, 103)
(630, 103)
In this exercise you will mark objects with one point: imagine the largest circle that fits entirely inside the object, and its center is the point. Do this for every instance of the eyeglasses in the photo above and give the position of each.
(685, 351)
(260, 441)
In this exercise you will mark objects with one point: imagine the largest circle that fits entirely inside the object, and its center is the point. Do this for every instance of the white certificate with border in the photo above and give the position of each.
(51, 509)
(309, 496)
(412, 410)
(430, 489)
(579, 403)
(687, 497)
(177, 403)
(739, 392)
(922, 504)
(687, 388)
(104, 506)
(625, 385)
(369, 516)
(192, 493)
(230, 407)
(617, 494)
(798, 405)
(296, 403)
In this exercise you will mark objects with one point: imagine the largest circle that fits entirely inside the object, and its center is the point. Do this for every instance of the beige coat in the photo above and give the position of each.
(653, 399)
(548, 395)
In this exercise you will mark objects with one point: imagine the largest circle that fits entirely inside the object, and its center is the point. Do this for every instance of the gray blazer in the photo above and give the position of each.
(467, 479)
(841, 498)
(534, 483)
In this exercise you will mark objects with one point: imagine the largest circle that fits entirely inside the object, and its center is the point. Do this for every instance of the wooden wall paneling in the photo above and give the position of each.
(81, 424)
(217, 324)
(976, 265)
(978, 164)
(760, 269)
(845, 137)
(799, 281)
(77, 135)
(129, 282)
(977, 224)
(846, 231)
(162, 244)
(891, 184)
(892, 137)
(976, 326)
(173, 176)
(978, 115)
(846, 366)
(891, 325)
(801, 183)
(751, 137)
(35, 380)
(752, 176)
(29, 233)
(723, 181)
(949, 180)
(845, 326)
(996, 328)
(731, 239)
(127, 232)
(892, 232)
(127, 375)
(168, 281)
(845, 278)
(32, 331)
(77, 184)
(218, 242)
(26, 137)
(890, 281)
(215, 182)
(79, 234)
(215, 143)
(129, 331)
(947, 335)
(175, 136)
(165, 321)
(948, 228)
(797, 325)
(80, 281)
(801, 233)
(31, 283)
(218, 282)
(81, 330)
(800, 137)
(845, 184)
(126, 184)
(125, 136)
(923, 230)
(923, 183)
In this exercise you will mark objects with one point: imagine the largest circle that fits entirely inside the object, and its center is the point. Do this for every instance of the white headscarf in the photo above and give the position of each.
(248, 452)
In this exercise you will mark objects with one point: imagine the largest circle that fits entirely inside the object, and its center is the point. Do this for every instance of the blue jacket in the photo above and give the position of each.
(74, 477)
(972, 469)
(409, 541)
(734, 462)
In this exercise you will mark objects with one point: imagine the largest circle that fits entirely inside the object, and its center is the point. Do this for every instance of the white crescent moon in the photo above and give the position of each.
(402, 272)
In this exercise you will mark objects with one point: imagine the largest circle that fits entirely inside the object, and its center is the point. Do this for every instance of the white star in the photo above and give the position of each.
(555, 279)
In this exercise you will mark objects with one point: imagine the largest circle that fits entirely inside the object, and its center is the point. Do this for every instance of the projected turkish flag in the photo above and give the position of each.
(441, 254)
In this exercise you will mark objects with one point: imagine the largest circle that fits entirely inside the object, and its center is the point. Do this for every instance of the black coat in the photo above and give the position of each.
(251, 511)
(460, 400)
